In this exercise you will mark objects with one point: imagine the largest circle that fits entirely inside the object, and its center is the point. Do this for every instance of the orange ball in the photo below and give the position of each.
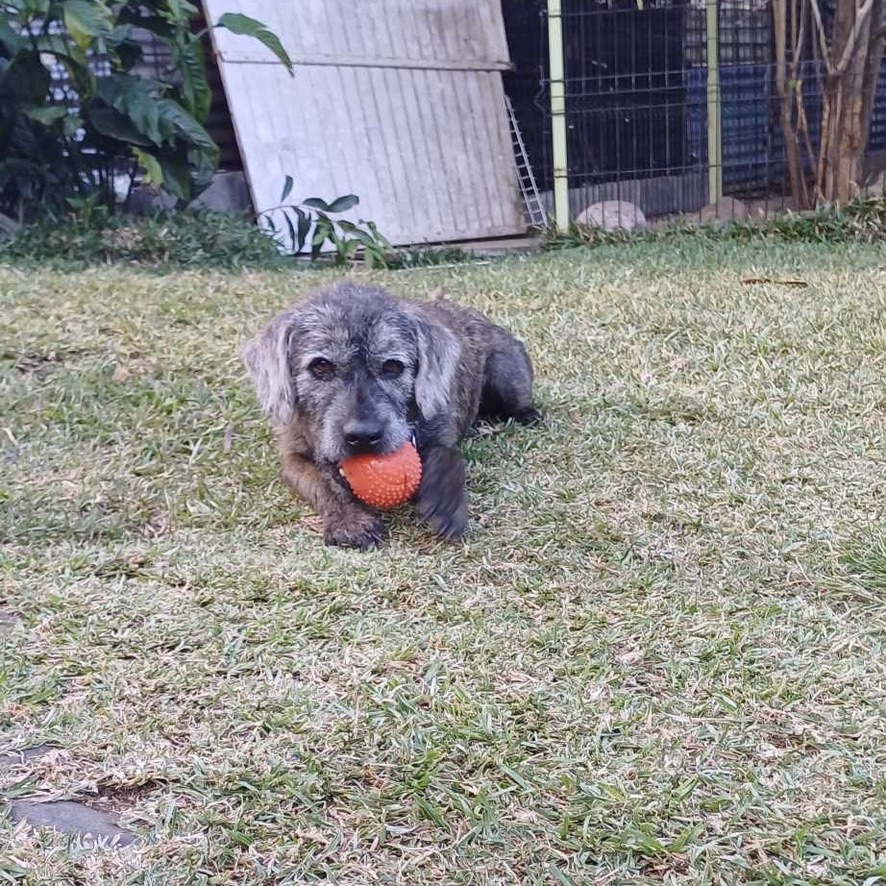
(384, 481)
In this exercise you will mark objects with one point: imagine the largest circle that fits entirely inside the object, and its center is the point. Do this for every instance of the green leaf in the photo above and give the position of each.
(196, 94)
(9, 37)
(380, 238)
(152, 171)
(29, 9)
(27, 79)
(174, 119)
(343, 204)
(47, 115)
(137, 99)
(290, 227)
(63, 49)
(87, 21)
(72, 124)
(176, 178)
(237, 23)
(316, 203)
(287, 188)
(304, 226)
(114, 125)
(180, 11)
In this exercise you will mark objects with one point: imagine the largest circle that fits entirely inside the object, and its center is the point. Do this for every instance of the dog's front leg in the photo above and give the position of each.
(345, 521)
(442, 497)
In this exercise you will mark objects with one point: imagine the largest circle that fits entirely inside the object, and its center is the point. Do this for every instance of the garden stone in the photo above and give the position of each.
(228, 192)
(612, 215)
(10, 758)
(726, 209)
(72, 818)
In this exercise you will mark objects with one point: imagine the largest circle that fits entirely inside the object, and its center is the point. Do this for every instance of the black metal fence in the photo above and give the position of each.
(636, 80)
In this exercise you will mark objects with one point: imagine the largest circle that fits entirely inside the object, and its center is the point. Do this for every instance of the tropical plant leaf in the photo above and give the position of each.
(176, 177)
(30, 9)
(237, 23)
(63, 49)
(87, 21)
(137, 99)
(175, 120)
(11, 39)
(72, 124)
(27, 79)
(152, 171)
(316, 203)
(47, 115)
(196, 94)
(291, 228)
(180, 11)
(287, 188)
(114, 125)
(343, 204)
(304, 226)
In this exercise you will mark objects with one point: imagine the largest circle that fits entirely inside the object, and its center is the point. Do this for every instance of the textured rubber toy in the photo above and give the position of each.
(384, 481)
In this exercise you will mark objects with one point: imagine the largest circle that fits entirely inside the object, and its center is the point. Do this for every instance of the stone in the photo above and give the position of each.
(148, 199)
(228, 192)
(69, 817)
(613, 215)
(10, 758)
(726, 209)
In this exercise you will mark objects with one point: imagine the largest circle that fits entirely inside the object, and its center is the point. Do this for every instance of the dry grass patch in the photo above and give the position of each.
(658, 658)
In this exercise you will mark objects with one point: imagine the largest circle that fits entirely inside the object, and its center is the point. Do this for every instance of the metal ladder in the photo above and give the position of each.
(533, 209)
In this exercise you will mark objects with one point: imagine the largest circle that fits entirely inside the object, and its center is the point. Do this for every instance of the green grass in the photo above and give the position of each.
(659, 657)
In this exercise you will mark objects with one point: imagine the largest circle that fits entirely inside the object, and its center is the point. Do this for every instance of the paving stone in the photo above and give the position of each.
(10, 758)
(70, 817)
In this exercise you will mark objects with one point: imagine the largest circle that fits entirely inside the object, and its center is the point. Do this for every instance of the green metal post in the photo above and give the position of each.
(558, 114)
(715, 133)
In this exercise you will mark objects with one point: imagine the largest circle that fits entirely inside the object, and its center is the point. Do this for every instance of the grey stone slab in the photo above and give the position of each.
(70, 817)
(10, 758)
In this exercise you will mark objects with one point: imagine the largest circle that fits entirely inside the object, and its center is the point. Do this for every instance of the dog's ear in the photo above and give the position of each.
(438, 353)
(267, 357)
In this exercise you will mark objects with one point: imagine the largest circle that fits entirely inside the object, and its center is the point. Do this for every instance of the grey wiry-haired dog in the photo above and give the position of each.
(353, 369)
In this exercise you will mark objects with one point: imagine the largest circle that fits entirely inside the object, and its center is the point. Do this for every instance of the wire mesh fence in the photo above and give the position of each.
(639, 110)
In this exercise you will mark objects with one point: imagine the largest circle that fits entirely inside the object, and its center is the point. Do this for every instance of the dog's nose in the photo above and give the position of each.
(362, 435)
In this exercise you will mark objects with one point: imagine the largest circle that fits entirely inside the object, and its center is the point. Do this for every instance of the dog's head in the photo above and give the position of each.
(355, 367)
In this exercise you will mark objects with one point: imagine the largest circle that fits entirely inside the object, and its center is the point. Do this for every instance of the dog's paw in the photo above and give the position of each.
(356, 529)
(528, 416)
(442, 499)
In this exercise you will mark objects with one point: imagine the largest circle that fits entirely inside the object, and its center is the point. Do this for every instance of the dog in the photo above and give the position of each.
(354, 369)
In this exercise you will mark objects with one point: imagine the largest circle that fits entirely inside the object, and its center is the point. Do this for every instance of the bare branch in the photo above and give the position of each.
(861, 17)
(822, 37)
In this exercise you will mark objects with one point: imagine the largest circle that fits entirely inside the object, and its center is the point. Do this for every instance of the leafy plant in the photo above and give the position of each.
(53, 147)
(166, 241)
(309, 225)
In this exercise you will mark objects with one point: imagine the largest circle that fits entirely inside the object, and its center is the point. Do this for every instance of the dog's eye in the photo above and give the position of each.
(391, 368)
(321, 368)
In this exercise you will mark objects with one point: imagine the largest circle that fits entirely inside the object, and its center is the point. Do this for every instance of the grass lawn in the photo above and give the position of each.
(659, 657)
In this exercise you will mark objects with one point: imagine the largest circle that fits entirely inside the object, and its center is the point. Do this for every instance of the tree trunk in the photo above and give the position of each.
(853, 66)
(789, 36)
